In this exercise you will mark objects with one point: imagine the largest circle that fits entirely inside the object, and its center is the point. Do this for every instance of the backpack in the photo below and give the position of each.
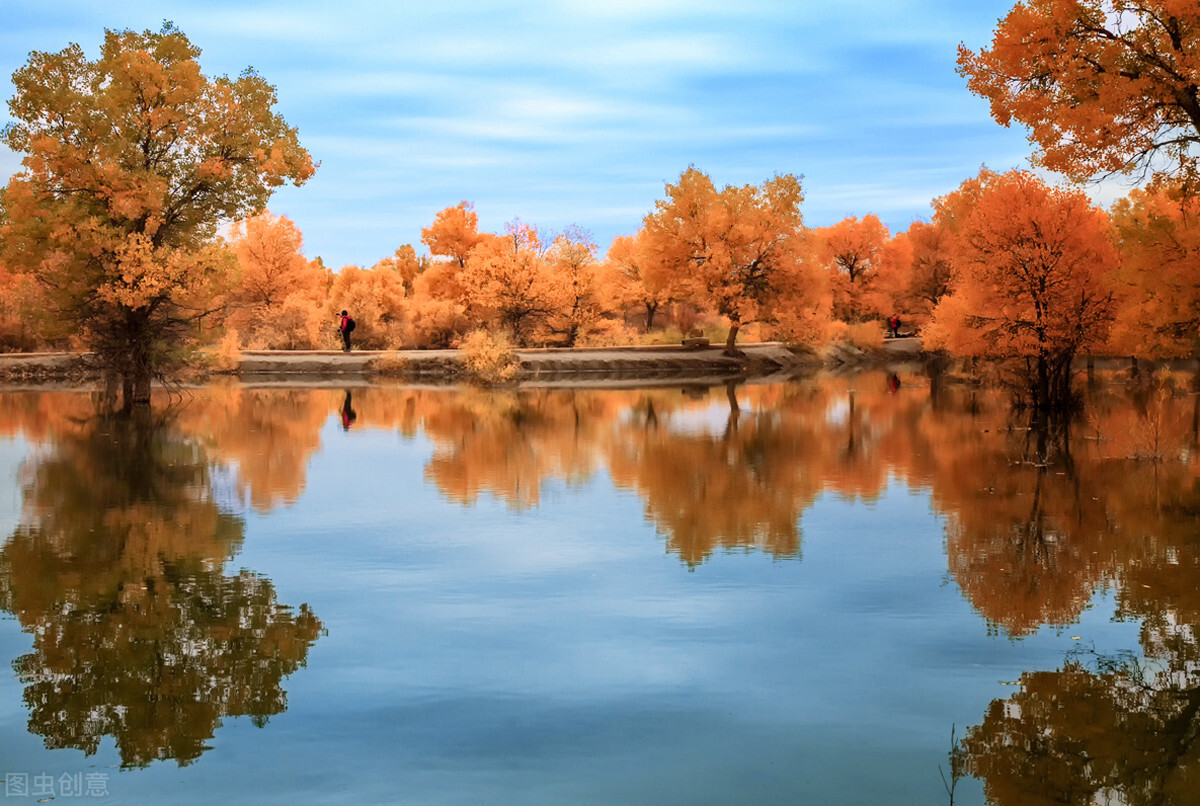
(349, 325)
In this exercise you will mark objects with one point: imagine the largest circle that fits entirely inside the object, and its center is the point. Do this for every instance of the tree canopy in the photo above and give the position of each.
(737, 249)
(1033, 268)
(1105, 86)
(132, 161)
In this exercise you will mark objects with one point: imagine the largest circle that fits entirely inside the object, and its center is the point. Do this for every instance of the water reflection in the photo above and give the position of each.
(116, 569)
(1100, 729)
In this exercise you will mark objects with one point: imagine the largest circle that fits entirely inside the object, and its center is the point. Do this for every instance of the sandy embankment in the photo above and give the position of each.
(550, 364)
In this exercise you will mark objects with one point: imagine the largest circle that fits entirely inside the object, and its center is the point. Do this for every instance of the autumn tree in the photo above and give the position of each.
(377, 299)
(852, 251)
(931, 270)
(581, 285)
(22, 311)
(438, 303)
(275, 288)
(736, 250)
(1103, 85)
(1033, 263)
(637, 281)
(507, 282)
(131, 162)
(454, 233)
(405, 263)
(1158, 282)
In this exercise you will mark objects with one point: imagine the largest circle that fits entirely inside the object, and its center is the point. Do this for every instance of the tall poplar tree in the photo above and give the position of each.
(132, 161)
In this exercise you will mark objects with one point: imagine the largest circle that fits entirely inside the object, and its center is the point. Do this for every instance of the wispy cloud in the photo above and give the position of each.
(573, 111)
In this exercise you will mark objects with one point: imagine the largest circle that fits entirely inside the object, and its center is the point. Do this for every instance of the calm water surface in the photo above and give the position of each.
(862, 590)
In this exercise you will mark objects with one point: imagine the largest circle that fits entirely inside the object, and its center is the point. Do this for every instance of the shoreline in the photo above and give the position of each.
(547, 364)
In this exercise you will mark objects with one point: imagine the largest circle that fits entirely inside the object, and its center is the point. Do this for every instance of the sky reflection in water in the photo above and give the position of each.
(634, 596)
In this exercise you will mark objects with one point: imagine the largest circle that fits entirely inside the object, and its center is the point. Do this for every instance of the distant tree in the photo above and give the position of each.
(275, 289)
(131, 163)
(404, 263)
(1158, 232)
(376, 300)
(1103, 85)
(454, 233)
(581, 282)
(508, 283)
(735, 250)
(932, 269)
(637, 281)
(852, 251)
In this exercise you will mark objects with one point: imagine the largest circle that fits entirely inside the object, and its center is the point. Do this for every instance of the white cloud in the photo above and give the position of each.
(578, 111)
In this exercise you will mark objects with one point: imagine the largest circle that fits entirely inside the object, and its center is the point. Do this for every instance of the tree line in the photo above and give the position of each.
(111, 239)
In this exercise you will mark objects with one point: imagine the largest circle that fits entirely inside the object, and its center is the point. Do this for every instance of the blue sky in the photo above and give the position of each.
(575, 112)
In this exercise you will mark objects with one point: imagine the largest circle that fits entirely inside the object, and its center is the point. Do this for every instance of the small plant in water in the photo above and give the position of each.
(1151, 441)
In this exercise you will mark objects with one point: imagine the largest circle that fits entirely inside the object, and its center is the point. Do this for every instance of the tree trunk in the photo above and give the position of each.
(735, 411)
(651, 309)
(730, 348)
(135, 389)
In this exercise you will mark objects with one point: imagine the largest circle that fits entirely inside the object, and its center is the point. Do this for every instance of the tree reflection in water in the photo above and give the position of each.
(116, 566)
(1115, 730)
(116, 570)
(1121, 729)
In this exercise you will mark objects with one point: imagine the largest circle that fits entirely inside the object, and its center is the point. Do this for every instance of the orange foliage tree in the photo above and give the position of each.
(1103, 85)
(1032, 282)
(277, 292)
(507, 282)
(377, 301)
(454, 233)
(584, 286)
(405, 263)
(22, 311)
(438, 303)
(931, 267)
(852, 251)
(1158, 232)
(637, 283)
(132, 161)
(736, 250)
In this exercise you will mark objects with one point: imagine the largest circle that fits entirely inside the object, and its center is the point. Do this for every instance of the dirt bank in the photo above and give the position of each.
(548, 364)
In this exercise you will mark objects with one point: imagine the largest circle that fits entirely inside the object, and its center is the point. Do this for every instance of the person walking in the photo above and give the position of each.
(345, 328)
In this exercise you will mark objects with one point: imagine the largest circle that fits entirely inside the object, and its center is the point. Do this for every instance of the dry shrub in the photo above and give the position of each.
(865, 335)
(606, 333)
(435, 322)
(667, 335)
(488, 357)
(228, 357)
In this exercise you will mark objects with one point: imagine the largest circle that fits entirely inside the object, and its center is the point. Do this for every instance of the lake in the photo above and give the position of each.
(870, 589)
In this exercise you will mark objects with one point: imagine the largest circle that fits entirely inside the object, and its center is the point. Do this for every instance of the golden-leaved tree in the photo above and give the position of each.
(131, 162)
(635, 282)
(508, 283)
(584, 286)
(276, 293)
(1103, 85)
(1158, 231)
(1033, 269)
(852, 251)
(736, 250)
